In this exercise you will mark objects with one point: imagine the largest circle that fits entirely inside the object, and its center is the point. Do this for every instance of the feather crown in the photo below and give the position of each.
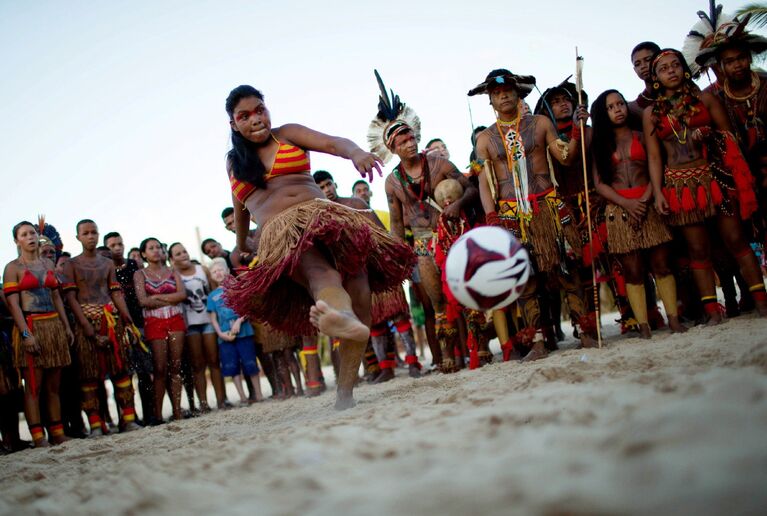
(393, 118)
(713, 31)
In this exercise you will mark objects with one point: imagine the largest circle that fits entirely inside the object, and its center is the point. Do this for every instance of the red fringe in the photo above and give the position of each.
(525, 336)
(507, 348)
(412, 360)
(702, 198)
(588, 323)
(741, 173)
(471, 343)
(688, 203)
(385, 305)
(716, 193)
(267, 293)
(673, 199)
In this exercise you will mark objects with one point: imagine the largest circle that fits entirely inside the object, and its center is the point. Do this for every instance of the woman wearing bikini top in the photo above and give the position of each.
(41, 336)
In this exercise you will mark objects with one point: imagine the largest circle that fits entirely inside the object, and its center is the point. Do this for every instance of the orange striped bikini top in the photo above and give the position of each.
(289, 160)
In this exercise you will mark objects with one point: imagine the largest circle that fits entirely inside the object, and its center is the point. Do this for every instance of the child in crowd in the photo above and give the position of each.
(235, 336)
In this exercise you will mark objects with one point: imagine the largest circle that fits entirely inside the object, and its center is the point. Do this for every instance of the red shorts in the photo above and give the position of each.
(158, 329)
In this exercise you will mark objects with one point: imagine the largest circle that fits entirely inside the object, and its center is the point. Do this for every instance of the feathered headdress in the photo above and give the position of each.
(48, 234)
(713, 31)
(393, 118)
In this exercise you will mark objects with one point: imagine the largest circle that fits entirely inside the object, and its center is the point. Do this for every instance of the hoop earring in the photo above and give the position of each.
(655, 85)
(686, 75)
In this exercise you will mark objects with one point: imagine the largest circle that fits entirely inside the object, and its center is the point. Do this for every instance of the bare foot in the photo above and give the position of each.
(587, 341)
(537, 352)
(96, 432)
(761, 308)
(485, 357)
(448, 366)
(644, 331)
(343, 325)
(42, 443)
(344, 400)
(675, 326)
(130, 427)
(313, 388)
(413, 371)
(714, 319)
(386, 375)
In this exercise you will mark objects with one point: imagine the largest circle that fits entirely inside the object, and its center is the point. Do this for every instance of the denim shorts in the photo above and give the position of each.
(239, 355)
(199, 329)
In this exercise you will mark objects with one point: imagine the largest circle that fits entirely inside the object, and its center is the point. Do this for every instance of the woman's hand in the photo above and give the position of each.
(636, 208)
(365, 162)
(31, 346)
(661, 205)
(70, 336)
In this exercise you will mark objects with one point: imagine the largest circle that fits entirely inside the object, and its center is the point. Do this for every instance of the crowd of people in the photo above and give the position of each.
(662, 196)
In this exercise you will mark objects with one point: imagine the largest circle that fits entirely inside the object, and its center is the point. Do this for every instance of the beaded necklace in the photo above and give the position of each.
(516, 159)
(423, 183)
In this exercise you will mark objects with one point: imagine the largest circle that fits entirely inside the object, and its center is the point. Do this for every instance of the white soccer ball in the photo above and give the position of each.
(487, 268)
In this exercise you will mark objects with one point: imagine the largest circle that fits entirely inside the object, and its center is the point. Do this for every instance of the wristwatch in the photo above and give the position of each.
(25, 334)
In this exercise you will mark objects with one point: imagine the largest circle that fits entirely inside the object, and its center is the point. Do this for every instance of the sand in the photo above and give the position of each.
(674, 425)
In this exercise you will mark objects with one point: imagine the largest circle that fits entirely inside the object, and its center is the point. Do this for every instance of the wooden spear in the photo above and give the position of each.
(579, 87)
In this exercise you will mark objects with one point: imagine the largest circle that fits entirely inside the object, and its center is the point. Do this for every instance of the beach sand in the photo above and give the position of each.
(675, 425)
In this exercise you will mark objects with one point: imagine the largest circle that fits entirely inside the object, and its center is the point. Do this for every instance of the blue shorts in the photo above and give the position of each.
(239, 355)
(200, 329)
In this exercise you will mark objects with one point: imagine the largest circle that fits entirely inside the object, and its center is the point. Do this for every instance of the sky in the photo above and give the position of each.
(114, 111)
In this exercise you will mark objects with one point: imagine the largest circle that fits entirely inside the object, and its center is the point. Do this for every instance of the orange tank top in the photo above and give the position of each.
(289, 160)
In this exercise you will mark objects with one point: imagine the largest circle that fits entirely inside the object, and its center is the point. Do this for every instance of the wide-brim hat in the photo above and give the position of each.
(522, 83)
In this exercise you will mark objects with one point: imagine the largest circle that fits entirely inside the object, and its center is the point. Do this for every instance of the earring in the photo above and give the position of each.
(655, 85)
(686, 75)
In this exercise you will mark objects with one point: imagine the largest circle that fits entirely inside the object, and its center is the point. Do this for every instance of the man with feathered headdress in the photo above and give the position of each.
(722, 43)
(396, 130)
(518, 193)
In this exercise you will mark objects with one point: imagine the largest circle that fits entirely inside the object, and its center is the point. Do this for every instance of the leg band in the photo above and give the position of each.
(700, 265)
(403, 326)
(56, 429)
(638, 301)
(667, 290)
(37, 432)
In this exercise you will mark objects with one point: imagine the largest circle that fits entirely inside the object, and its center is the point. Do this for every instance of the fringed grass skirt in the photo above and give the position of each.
(96, 360)
(274, 340)
(350, 242)
(385, 305)
(50, 335)
(547, 232)
(625, 235)
(692, 195)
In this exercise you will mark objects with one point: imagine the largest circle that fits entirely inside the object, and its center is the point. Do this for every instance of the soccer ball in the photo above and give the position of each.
(487, 268)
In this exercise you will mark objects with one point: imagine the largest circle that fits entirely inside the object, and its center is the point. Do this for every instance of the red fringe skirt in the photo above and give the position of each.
(388, 304)
(349, 241)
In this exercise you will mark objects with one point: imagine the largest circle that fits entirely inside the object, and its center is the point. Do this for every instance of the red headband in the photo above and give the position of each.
(662, 54)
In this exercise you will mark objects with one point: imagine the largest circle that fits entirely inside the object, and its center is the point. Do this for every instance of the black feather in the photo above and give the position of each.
(388, 106)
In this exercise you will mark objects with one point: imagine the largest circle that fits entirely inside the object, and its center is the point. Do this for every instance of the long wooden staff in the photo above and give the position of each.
(579, 87)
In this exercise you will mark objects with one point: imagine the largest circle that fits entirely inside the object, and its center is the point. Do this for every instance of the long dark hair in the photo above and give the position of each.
(603, 143)
(243, 157)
